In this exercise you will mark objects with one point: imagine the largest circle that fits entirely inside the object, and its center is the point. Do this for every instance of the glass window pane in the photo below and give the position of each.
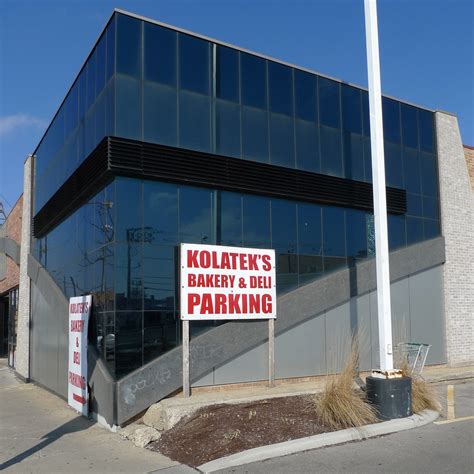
(128, 108)
(194, 121)
(128, 209)
(425, 120)
(160, 333)
(91, 69)
(129, 46)
(227, 74)
(396, 232)
(414, 230)
(393, 165)
(159, 114)
(305, 96)
(254, 134)
(391, 120)
(110, 67)
(414, 205)
(280, 82)
(100, 65)
(160, 54)
(160, 212)
(329, 102)
(409, 125)
(429, 175)
(282, 140)
(411, 168)
(351, 109)
(231, 219)
(307, 146)
(128, 342)
(310, 264)
(227, 128)
(256, 221)
(129, 273)
(82, 84)
(195, 215)
(430, 207)
(431, 229)
(331, 159)
(353, 156)
(356, 234)
(365, 113)
(334, 242)
(284, 241)
(253, 81)
(193, 64)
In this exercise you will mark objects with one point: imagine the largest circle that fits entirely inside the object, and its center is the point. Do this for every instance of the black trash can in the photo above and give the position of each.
(391, 397)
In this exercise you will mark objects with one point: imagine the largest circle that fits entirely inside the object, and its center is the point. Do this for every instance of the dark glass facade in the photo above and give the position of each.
(154, 84)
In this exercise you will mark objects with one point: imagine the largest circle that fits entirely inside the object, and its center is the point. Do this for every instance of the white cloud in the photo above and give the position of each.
(12, 123)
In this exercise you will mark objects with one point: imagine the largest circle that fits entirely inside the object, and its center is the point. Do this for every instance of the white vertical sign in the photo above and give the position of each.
(77, 393)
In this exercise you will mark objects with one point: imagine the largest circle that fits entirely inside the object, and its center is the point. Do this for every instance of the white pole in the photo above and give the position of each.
(186, 384)
(378, 178)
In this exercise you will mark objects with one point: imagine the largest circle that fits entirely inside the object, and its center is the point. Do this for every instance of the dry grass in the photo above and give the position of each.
(340, 405)
(422, 395)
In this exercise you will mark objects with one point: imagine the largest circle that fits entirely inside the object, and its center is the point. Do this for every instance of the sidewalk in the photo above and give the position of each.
(40, 433)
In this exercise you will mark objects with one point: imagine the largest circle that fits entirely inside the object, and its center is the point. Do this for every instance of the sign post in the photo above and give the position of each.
(227, 283)
(77, 393)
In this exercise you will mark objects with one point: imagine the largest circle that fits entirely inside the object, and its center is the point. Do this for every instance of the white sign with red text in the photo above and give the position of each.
(227, 283)
(77, 394)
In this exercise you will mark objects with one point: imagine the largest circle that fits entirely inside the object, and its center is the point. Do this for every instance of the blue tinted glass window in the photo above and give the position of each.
(160, 54)
(284, 241)
(431, 228)
(414, 230)
(194, 121)
(193, 64)
(414, 205)
(411, 168)
(425, 120)
(353, 155)
(334, 242)
(391, 120)
(91, 69)
(305, 96)
(309, 242)
(159, 114)
(110, 66)
(409, 126)
(282, 143)
(367, 160)
(356, 234)
(393, 165)
(128, 108)
(307, 146)
(280, 80)
(227, 74)
(160, 333)
(110, 109)
(100, 65)
(129, 272)
(396, 232)
(230, 225)
(429, 175)
(128, 210)
(331, 156)
(254, 134)
(430, 207)
(129, 46)
(253, 81)
(227, 128)
(160, 212)
(82, 84)
(256, 221)
(195, 215)
(365, 113)
(128, 342)
(100, 117)
(351, 109)
(71, 109)
(329, 102)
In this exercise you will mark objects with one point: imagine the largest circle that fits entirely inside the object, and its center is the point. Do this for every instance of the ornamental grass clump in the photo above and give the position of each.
(422, 395)
(341, 405)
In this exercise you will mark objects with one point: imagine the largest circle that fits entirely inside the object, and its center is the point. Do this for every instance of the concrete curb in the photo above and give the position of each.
(318, 441)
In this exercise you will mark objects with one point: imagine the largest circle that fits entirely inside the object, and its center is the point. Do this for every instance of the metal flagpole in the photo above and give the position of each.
(378, 178)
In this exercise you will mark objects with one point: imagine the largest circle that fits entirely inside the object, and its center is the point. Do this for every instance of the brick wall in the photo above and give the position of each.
(457, 220)
(12, 229)
(469, 154)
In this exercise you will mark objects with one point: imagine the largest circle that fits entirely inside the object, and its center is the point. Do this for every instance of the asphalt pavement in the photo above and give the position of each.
(434, 448)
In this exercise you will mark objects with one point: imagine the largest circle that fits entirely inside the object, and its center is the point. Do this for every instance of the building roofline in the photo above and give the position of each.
(213, 40)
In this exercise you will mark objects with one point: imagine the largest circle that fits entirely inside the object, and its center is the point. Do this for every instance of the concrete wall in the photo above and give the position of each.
(457, 220)
(319, 345)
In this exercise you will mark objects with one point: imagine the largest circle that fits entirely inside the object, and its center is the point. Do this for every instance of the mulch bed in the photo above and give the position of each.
(221, 430)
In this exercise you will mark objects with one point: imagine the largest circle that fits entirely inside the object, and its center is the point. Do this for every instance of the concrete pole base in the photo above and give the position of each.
(390, 396)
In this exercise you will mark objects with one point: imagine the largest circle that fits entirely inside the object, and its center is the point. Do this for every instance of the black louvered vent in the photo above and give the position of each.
(122, 157)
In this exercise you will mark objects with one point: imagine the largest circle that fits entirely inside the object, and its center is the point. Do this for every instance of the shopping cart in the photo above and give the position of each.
(412, 356)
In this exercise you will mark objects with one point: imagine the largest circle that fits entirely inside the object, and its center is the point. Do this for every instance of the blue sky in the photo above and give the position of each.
(426, 48)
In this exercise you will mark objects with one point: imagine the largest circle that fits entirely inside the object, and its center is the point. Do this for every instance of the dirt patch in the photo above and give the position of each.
(221, 430)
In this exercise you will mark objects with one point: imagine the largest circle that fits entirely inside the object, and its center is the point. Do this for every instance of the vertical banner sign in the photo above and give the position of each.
(77, 394)
(227, 283)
